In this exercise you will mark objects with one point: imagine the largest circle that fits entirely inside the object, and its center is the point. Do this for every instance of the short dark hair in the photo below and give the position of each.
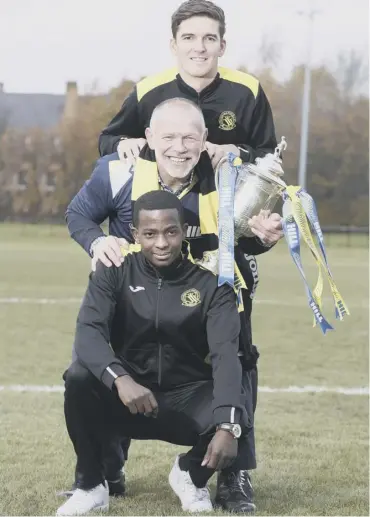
(157, 200)
(192, 8)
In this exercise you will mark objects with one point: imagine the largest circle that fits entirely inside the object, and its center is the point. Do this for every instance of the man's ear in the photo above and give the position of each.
(149, 138)
(222, 48)
(173, 46)
(184, 230)
(135, 235)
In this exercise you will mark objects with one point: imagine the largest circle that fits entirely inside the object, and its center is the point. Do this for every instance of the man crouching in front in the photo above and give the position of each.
(157, 347)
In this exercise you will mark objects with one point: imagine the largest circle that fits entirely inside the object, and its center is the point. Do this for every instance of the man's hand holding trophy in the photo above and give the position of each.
(267, 227)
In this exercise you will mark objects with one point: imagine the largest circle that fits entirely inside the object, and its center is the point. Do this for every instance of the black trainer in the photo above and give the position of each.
(117, 487)
(235, 492)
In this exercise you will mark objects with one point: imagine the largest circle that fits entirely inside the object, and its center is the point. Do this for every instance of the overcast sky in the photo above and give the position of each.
(44, 43)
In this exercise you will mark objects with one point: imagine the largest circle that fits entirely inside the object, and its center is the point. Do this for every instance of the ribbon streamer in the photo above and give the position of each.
(226, 187)
(310, 208)
(299, 217)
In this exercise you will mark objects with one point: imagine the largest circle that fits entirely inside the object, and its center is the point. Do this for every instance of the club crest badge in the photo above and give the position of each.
(190, 298)
(227, 121)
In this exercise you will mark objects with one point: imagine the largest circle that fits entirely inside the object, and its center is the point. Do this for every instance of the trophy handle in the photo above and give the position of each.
(280, 148)
(273, 197)
(218, 167)
(217, 170)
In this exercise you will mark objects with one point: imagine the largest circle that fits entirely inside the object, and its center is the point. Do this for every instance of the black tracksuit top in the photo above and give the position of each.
(162, 327)
(235, 108)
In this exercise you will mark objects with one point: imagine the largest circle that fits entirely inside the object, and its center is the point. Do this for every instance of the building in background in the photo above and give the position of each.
(32, 157)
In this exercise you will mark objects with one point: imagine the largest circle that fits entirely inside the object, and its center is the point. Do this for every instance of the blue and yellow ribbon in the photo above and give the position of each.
(226, 187)
(299, 217)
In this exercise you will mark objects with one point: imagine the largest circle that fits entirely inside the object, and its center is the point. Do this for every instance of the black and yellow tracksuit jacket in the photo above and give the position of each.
(161, 327)
(234, 105)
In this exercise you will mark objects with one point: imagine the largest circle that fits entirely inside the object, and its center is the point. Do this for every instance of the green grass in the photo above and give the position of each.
(310, 461)
(312, 448)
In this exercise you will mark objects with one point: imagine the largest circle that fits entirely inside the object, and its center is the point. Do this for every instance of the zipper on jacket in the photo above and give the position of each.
(159, 286)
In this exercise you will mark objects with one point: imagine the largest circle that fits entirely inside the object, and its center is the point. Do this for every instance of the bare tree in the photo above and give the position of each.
(352, 74)
(269, 52)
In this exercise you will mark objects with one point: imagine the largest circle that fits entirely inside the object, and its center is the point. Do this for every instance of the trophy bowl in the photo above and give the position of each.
(258, 187)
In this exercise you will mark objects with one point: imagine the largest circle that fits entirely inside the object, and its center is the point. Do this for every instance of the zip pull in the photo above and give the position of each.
(159, 283)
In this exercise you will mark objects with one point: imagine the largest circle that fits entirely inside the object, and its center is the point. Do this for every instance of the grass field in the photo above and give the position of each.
(312, 447)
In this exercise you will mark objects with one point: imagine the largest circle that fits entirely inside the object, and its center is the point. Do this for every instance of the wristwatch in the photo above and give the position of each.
(95, 243)
(234, 429)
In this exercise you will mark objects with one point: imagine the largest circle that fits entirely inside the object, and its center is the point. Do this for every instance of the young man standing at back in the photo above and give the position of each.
(236, 111)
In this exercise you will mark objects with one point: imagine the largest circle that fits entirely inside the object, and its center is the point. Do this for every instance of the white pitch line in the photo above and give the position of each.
(301, 303)
(364, 304)
(29, 388)
(316, 389)
(33, 388)
(40, 301)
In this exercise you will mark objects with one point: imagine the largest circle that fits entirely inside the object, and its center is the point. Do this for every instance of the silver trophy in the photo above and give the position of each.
(258, 187)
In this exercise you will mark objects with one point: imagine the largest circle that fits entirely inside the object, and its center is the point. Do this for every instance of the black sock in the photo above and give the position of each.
(199, 475)
(184, 462)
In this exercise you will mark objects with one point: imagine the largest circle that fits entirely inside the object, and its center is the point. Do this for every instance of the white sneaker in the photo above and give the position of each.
(192, 499)
(86, 501)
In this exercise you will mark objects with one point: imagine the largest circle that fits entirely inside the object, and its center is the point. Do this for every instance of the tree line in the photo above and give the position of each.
(38, 180)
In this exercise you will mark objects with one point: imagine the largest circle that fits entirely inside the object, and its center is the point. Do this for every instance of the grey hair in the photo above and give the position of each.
(176, 101)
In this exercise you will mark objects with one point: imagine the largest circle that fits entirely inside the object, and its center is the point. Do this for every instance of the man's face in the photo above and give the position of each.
(198, 46)
(160, 235)
(178, 137)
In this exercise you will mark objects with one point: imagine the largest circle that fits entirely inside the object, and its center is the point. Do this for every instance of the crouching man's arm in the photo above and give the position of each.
(223, 329)
(93, 337)
(94, 322)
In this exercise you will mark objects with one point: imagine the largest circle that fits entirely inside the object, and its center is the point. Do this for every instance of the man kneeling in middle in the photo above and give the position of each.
(172, 371)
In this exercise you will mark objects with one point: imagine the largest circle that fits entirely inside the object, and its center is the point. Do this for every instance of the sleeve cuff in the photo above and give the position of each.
(93, 241)
(245, 154)
(264, 244)
(110, 374)
(115, 146)
(226, 414)
(253, 246)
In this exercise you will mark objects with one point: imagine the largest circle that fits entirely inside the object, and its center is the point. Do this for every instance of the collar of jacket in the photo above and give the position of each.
(174, 271)
(185, 88)
(203, 169)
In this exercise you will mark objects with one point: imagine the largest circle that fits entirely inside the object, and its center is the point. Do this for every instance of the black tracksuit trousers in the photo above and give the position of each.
(185, 417)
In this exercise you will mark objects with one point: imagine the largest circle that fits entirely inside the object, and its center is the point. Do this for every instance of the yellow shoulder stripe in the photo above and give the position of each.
(132, 248)
(149, 83)
(145, 178)
(235, 76)
(152, 81)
